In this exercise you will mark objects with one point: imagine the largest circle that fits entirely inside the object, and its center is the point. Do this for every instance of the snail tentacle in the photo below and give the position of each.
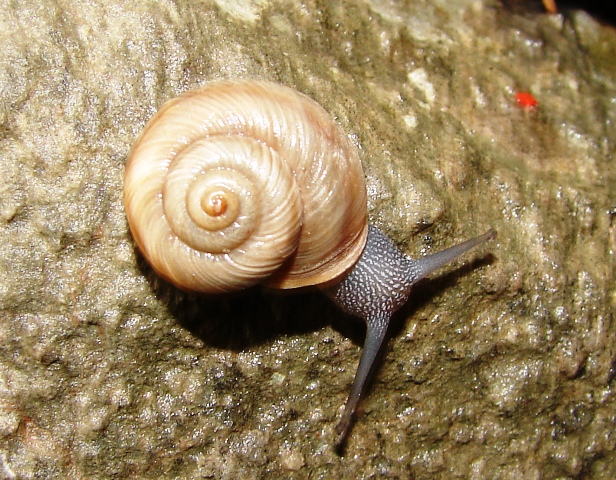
(377, 286)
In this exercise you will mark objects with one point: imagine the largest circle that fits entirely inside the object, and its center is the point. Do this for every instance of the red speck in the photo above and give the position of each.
(526, 100)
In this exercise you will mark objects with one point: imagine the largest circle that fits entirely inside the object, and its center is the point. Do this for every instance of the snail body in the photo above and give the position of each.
(246, 182)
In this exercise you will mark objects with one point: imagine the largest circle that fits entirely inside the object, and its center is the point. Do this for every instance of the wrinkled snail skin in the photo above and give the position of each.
(246, 182)
(378, 285)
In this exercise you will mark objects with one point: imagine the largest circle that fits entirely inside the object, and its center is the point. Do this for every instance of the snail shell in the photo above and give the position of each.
(243, 182)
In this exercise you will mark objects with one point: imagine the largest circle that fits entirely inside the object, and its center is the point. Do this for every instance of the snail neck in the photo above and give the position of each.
(381, 280)
(379, 283)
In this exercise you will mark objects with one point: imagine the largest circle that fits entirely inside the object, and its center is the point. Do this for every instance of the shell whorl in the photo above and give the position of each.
(241, 182)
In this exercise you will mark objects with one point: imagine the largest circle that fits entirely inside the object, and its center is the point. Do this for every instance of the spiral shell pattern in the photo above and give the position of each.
(242, 182)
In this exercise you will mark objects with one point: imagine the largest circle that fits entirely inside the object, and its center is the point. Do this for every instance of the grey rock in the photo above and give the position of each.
(500, 367)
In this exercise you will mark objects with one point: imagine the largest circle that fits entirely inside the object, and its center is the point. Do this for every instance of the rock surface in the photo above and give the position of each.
(499, 368)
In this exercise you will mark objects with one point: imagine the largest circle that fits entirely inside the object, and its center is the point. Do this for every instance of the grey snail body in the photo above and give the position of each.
(245, 182)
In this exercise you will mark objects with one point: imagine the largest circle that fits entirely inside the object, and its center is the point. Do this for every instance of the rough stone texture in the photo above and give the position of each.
(503, 368)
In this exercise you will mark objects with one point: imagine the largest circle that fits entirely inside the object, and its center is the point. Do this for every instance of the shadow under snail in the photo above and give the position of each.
(245, 182)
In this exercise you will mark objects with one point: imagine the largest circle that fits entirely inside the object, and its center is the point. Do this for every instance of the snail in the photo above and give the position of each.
(243, 182)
